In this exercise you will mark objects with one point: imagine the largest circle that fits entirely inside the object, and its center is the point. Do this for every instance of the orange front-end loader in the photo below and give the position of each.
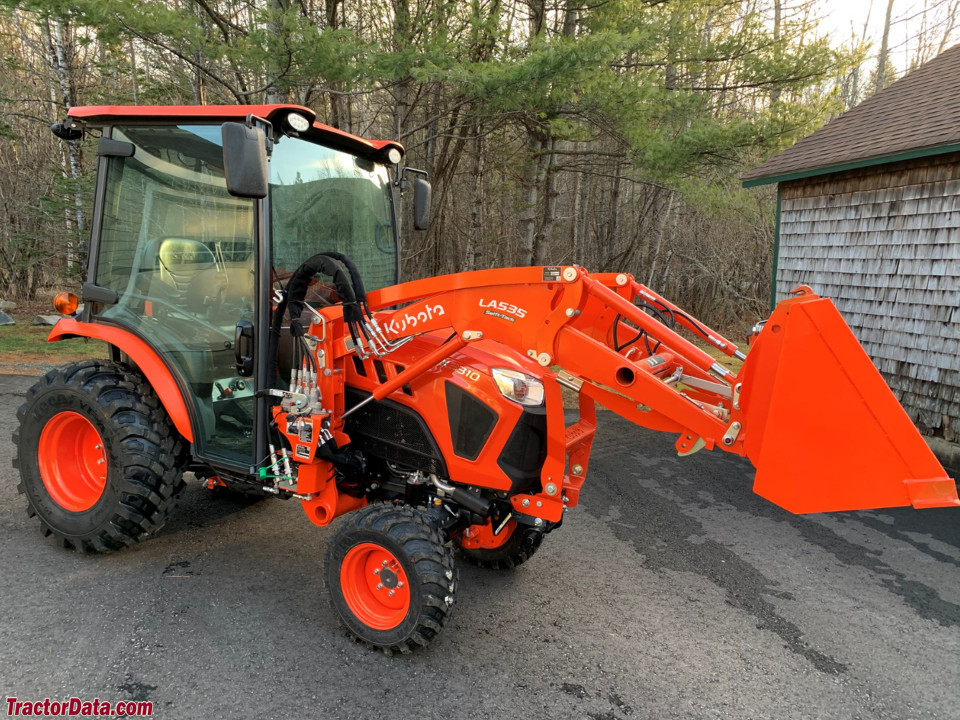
(429, 413)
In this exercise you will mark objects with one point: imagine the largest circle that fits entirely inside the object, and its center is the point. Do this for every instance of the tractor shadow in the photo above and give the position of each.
(200, 508)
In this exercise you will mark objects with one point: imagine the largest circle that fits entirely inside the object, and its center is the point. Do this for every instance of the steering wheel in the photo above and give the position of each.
(318, 290)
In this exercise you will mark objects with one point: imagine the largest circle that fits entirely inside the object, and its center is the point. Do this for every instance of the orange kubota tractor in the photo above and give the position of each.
(430, 411)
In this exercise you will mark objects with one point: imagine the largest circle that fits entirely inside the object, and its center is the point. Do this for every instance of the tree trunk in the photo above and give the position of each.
(582, 221)
(277, 93)
(133, 73)
(570, 17)
(538, 15)
(613, 227)
(58, 33)
(548, 180)
(401, 41)
(884, 50)
(528, 212)
(777, 22)
(661, 233)
(431, 129)
(475, 238)
(340, 108)
(575, 218)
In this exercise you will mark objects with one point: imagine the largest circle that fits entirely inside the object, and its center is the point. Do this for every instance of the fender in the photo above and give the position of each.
(146, 359)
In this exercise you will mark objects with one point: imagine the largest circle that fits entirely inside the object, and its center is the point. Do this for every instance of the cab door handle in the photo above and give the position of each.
(243, 348)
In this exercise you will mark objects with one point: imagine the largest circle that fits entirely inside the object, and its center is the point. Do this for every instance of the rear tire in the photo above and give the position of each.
(391, 578)
(100, 462)
(517, 548)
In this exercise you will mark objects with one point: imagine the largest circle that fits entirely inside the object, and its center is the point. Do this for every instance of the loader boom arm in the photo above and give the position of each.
(622, 355)
(807, 407)
(563, 317)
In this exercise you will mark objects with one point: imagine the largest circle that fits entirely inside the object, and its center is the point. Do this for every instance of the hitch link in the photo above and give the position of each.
(730, 436)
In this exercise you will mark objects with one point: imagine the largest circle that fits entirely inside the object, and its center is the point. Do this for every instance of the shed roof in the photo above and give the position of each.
(915, 116)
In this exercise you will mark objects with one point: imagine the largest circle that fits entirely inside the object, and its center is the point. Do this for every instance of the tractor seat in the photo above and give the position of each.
(190, 268)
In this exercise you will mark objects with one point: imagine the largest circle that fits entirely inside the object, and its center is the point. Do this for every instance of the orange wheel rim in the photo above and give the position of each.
(375, 586)
(72, 461)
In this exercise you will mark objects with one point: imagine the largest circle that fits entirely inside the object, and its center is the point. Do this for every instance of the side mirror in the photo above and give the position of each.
(421, 203)
(245, 160)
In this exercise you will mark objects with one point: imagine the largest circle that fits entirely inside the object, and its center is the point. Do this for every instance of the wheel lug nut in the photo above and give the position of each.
(383, 564)
(100, 461)
(376, 571)
(98, 447)
(379, 586)
(390, 593)
(399, 583)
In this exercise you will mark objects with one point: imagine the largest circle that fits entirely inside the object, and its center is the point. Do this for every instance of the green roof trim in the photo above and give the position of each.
(854, 165)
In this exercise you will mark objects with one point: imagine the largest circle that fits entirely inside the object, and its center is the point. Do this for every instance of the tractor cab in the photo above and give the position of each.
(191, 268)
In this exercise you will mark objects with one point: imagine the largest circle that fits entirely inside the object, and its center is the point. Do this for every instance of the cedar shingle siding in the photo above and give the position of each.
(884, 244)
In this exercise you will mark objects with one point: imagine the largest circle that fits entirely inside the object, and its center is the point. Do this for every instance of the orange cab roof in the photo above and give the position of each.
(106, 114)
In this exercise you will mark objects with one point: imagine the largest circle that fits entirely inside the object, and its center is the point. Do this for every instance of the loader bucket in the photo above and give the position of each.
(820, 425)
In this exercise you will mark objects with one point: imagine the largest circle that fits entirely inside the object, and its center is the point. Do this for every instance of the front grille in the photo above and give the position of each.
(394, 432)
(525, 452)
(471, 421)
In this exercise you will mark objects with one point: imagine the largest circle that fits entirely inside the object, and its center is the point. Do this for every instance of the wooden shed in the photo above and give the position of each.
(868, 214)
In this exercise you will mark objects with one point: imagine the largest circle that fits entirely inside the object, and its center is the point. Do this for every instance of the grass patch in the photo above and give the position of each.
(730, 363)
(27, 345)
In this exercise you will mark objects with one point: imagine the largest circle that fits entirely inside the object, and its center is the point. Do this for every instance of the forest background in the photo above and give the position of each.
(606, 133)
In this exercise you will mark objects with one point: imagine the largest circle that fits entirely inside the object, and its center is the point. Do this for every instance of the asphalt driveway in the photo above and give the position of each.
(671, 592)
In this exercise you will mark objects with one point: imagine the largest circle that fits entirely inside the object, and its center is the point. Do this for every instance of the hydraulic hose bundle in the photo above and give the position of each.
(362, 325)
(357, 316)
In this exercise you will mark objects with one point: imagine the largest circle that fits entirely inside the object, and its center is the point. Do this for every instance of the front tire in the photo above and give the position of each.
(99, 460)
(391, 578)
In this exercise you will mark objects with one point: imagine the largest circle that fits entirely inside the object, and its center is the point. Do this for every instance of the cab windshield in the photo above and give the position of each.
(322, 199)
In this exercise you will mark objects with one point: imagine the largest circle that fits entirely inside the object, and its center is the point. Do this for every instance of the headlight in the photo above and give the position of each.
(518, 386)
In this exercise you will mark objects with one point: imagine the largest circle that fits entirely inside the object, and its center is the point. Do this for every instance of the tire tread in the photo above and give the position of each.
(518, 548)
(149, 449)
(426, 548)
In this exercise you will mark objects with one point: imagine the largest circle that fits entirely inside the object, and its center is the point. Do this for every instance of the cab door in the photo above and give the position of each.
(180, 253)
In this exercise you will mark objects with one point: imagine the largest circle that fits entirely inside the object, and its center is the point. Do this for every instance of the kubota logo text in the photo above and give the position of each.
(398, 326)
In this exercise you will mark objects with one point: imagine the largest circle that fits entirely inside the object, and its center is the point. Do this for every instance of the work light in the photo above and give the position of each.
(298, 122)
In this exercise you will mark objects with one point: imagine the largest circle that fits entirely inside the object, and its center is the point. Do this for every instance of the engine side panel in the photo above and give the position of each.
(474, 427)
